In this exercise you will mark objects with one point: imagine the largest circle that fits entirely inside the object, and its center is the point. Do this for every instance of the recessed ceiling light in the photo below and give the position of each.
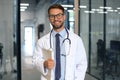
(24, 4)
(118, 7)
(23, 7)
(83, 6)
(67, 5)
(105, 7)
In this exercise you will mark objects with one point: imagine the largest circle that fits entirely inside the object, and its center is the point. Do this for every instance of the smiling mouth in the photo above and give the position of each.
(57, 22)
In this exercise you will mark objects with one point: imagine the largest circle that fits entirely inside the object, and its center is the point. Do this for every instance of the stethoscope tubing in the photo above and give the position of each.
(63, 40)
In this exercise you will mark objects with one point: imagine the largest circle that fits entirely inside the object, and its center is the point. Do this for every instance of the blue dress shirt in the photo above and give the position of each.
(62, 51)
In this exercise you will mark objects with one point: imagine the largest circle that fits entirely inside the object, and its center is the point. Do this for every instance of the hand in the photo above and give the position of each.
(49, 64)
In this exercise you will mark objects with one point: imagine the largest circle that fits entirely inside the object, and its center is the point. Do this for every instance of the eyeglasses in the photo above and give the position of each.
(60, 15)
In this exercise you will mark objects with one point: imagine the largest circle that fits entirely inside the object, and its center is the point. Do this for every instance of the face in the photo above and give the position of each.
(56, 18)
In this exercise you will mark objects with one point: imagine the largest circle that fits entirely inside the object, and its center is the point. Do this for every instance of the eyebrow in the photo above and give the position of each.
(56, 14)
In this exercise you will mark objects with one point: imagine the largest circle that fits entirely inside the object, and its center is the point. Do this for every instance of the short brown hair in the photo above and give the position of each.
(58, 6)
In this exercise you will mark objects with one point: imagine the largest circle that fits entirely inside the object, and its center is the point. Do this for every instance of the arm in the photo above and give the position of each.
(38, 60)
(42, 63)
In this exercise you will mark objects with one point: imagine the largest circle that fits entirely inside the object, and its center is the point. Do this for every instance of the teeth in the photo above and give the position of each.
(56, 22)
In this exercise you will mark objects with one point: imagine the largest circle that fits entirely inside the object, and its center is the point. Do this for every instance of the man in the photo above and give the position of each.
(68, 61)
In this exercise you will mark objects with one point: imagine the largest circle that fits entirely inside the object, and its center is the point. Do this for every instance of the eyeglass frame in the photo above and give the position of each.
(60, 15)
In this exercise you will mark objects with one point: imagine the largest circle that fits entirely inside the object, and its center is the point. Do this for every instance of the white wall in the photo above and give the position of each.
(41, 17)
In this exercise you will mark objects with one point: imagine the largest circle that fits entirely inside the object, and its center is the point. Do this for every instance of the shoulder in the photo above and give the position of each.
(42, 42)
(44, 38)
(74, 36)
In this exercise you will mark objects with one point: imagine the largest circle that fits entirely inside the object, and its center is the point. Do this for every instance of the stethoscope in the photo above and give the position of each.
(67, 46)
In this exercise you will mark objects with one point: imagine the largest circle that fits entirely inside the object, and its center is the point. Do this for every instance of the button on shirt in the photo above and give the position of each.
(62, 51)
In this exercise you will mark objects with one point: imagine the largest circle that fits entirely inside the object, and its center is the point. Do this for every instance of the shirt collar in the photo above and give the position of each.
(62, 33)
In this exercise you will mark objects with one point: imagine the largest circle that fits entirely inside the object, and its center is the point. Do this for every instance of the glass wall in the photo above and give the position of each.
(99, 28)
(9, 43)
(113, 39)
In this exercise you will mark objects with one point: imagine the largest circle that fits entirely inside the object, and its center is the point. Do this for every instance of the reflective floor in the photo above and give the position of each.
(28, 71)
(31, 73)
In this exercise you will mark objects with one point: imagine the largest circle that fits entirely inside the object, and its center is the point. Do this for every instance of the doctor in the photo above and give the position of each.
(71, 63)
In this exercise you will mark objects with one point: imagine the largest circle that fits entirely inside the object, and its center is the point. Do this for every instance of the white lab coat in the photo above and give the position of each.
(76, 61)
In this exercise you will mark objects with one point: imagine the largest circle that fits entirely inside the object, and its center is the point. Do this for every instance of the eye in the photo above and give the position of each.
(51, 16)
(59, 15)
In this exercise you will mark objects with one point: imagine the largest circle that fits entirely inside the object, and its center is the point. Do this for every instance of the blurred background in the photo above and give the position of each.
(23, 22)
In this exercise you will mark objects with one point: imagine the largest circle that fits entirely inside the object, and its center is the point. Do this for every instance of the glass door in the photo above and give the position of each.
(9, 40)
(28, 41)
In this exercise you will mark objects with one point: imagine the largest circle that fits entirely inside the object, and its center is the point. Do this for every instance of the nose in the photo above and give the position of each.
(55, 17)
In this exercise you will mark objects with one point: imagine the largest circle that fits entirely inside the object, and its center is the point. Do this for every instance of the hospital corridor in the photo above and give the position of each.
(23, 22)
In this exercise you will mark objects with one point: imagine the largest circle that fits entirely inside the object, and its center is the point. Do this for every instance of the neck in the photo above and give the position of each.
(58, 30)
